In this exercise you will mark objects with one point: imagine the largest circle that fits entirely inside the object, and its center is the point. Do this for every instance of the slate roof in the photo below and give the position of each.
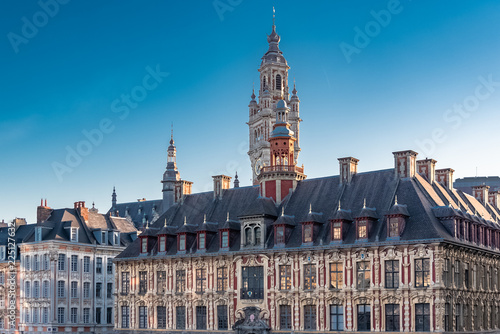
(138, 213)
(21, 232)
(370, 194)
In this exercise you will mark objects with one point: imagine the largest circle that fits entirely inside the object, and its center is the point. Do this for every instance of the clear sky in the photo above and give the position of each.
(425, 76)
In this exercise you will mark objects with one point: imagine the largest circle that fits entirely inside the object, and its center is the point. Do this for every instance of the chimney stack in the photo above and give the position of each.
(82, 210)
(42, 212)
(481, 193)
(445, 177)
(221, 183)
(181, 189)
(494, 198)
(405, 163)
(427, 168)
(348, 167)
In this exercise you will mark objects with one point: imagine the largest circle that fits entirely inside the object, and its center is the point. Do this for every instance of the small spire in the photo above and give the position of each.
(204, 218)
(165, 222)
(283, 211)
(396, 200)
(310, 208)
(93, 205)
(236, 181)
(185, 220)
(338, 209)
(274, 16)
(227, 219)
(147, 225)
(364, 203)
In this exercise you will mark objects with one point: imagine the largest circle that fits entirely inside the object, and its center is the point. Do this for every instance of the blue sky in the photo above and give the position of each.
(402, 89)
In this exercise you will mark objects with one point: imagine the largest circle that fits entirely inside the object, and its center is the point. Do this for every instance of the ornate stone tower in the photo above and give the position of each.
(262, 114)
(171, 176)
(280, 178)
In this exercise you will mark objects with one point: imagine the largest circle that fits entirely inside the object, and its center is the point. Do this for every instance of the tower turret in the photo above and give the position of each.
(282, 175)
(113, 200)
(171, 175)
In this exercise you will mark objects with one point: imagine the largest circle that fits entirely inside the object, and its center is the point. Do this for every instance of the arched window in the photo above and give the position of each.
(248, 235)
(264, 83)
(258, 235)
(278, 82)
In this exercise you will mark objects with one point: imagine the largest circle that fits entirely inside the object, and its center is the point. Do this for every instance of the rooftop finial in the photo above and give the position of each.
(338, 206)
(396, 200)
(185, 220)
(147, 224)
(364, 203)
(274, 16)
(283, 211)
(310, 207)
(227, 219)
(172, 130)
(165, 222)
(204, 218)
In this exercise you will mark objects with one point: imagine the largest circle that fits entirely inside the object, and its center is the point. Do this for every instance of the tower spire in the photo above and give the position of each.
(274, 17)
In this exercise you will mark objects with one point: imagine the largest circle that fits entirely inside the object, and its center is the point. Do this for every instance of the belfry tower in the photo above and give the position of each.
(171, 176)
(262, 114)
(282, 175)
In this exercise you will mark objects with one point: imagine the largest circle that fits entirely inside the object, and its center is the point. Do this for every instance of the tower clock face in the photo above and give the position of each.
(258, 165)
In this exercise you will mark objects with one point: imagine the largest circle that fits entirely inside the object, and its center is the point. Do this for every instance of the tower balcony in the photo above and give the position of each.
(282, 168)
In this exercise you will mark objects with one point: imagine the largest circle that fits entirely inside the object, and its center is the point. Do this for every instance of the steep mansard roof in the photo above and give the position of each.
(376, 190)
(139, 212)
(56, 227)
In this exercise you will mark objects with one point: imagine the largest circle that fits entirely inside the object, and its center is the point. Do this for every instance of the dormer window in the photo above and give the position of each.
(144, 245)
(362, 229)
(225, 239)
(74, 234)
(202, 237)
(116, 238)
(393, 227)
(104, 237)
(336, 231)
(182, 242)
(162, 244)
(308, 233)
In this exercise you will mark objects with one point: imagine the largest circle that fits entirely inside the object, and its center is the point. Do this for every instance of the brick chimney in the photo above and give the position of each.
(445, 177)
(348, 167)
(405, 163)
(221, 183)
(481, 193)
(181, 189)
(82, 210)
(494, 198)
(42, 212)
(427, 168)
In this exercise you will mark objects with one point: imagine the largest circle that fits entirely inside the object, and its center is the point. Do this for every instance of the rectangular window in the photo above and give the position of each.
(109, 266)
(180, 317)
(456, 276)
(201, 280)
(280, 235)
(109, 290)
(86, 264)
(308, 233)
(285, 317)
(362, 232)
(393, 227)
(336, 275)
(446, 317)
(27, 289)
(74, 263)
(36, 289)
(144, 245)
(392, 274)
(36, 264)
(466, 275)
(364, 316)
(310, 317)
(125, 317)
(336, 318)
(60, 289)
(422, 273)
(458, 318)
(2, 277)
(180, 281)
(392, 317)
(98, 315)
(98, 265)
(309, 277)
(74, 289)
(143, 282)
(201, 317)
(86, 290)
(74, 235)
(225, 239)
(222, 279)
(222, 317)
(422, 317)
(201, 240)
(163, 241)
(35, 315)
(27, 262)
(182, 242)
(285, 277)
(98, 290)
(446, 272)
(143, 317)
(252, 282)
(46, 262)
(45, 315)
(125, 282)
(61, 263)
(363, 274)
(109, 315)
(161, 281)
(60, 315)
(45, 289)
(161, 317)
(336, 231)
